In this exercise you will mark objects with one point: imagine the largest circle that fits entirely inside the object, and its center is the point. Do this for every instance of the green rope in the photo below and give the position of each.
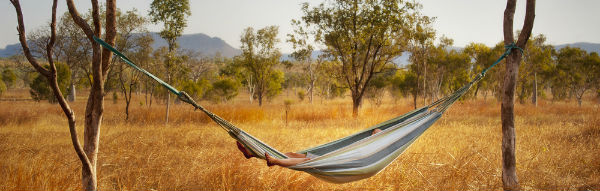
(180, 94)
(508, 49)
(130, 63)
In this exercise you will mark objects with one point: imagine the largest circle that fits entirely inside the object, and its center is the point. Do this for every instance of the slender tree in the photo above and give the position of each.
(303, 54)
(100, 66)
(509, 170)
(136, 41)
(172, 13)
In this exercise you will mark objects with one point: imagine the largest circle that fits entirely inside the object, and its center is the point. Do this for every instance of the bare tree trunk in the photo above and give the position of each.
(424, 79)
(71, 96)
(509, 172)
(355, 107)
(260, 97)
(168, 103)
(534, 98)
(415, 99)
(251, 88)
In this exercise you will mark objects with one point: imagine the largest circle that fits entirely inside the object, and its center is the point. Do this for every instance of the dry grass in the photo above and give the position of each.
(558, 145)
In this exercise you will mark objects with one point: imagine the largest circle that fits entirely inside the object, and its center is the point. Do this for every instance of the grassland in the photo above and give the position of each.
(558, 147)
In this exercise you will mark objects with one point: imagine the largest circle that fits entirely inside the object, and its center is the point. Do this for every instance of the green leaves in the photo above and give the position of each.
(172, 13)
(40, 88)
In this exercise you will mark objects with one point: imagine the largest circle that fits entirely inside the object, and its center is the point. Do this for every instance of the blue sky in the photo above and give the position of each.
(465, 21)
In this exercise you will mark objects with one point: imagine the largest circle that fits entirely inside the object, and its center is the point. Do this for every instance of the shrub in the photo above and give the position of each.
(301, 95)
(224, 90)
(9, 77)
(40, 89)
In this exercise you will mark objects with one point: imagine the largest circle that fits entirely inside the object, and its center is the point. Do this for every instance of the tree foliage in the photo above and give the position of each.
(8, 77)
(224, 90)
(259, 58)
(172, 13)
(362, 35)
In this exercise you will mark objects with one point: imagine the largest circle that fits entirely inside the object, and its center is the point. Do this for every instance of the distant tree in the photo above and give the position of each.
(405, 83)
(224, 90)
(420, 46)
(135, 41)
(481, 57)
(9, 77)
(537, 64)
(40, 89)
(172, 13)
(579, 70)
(273, 85)
(376, 90)
(303, 54)
(259, 57)
(362, 35)
(73, 49)
(330, 79)
(235, 69)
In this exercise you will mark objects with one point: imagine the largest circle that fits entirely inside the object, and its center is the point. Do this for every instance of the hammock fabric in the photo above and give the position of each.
(351, 158)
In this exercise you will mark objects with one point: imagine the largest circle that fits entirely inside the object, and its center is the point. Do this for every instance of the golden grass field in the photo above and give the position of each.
(558, 146)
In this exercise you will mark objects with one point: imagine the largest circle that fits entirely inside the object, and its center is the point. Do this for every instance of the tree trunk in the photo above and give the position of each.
(534, 98)
(168, 100)
(414, 100)
(72, 92)
(522, 94)
(509, 172)
(355, 106)
(424, 78)
(310, 91)
(260, 98)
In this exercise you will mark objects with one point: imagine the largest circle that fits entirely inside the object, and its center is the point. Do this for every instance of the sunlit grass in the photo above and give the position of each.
(558, 145)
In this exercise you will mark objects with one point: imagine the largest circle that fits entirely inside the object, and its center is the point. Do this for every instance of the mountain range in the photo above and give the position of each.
(198, 42)
(210, 46)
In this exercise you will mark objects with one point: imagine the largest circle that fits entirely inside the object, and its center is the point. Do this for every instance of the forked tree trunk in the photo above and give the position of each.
(509, 172)
(100, 66)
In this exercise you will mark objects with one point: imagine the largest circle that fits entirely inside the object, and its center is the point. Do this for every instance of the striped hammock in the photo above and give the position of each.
(351, 158)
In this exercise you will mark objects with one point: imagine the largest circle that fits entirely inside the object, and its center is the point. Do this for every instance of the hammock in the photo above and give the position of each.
(351, 158)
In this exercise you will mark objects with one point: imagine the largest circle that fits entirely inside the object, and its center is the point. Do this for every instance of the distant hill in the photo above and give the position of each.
(200, 43)
(196, 42)
(211, 45)
(10, 50)
(589, 47)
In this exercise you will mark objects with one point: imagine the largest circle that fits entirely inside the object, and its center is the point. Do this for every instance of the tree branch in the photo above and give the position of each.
(23, 40)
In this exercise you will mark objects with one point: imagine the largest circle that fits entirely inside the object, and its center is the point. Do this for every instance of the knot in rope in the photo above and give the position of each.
(511, 46)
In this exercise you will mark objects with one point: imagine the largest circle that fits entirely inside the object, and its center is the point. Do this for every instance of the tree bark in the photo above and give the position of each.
(100, 66)
(509, 173)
